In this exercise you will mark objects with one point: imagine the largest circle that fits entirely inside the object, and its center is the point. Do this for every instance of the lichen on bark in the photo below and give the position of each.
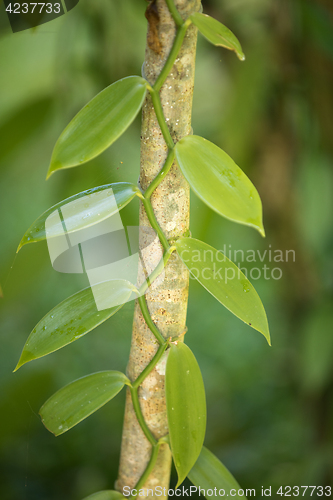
(168, 302)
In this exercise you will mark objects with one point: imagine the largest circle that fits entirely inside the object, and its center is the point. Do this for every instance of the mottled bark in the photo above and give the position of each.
(168, 302)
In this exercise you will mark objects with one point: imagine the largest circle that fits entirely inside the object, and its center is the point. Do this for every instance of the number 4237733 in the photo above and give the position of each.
(33, 7)
(317, 491)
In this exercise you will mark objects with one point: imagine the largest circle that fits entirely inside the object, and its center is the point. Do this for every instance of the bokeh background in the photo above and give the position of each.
(270, 409)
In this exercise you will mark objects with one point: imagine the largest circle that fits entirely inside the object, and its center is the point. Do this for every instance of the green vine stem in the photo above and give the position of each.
(139, 416)
(153, 221)
(160, 176)
(181, 32)
(157, 271)
(149, 321)
(174, 12)
(145, 197)
(151, 365)
(160, 116)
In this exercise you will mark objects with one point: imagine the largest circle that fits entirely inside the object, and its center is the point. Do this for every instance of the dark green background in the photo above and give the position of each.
(270, 410)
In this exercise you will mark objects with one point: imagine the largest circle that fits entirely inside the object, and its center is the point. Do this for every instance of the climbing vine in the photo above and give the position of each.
(222, 185)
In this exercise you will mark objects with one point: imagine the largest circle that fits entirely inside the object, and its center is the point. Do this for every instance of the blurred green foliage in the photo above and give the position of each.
(270, 410)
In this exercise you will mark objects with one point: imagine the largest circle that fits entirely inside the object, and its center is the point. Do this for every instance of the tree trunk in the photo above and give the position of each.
(168, 302)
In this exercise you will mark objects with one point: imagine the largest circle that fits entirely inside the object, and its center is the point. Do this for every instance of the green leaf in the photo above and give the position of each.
(219, 182)
(99, 123)
(73, 318)
(224, 280)
(105, 495)
(217, 33)
(186, 408)
(209, 473)
(92, 201)
(76, 401)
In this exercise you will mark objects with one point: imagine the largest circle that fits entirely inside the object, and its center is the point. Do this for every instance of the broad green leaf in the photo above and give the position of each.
(106, 495)
(225, 281)
(76, 401)
(87, 208)
(73, 318)
(219, 182)
(186, 408)
(217, 33)
(99, 123)
(209, 473)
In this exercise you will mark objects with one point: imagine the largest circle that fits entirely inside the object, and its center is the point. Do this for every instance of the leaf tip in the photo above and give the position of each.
(43, 422)
(178, 483)
(49, 172)
(268, 338)
(17, 367)
(26, 356)
(267, 335)
(20, 245)
(263, 329)
(55, 164)
(261, 229)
